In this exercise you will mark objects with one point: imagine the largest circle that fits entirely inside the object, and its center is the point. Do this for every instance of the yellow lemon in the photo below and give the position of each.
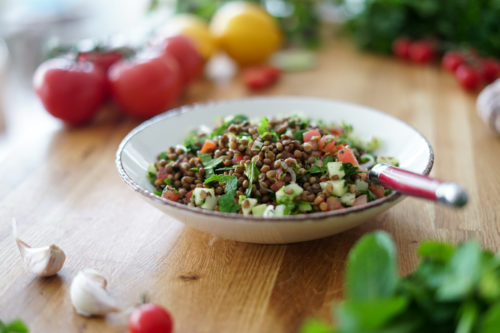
(246, 32)
(194, 28)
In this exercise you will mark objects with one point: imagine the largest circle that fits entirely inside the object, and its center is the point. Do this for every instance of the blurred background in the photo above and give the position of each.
(33, 30)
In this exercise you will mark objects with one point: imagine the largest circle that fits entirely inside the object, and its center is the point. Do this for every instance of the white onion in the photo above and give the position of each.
(290, 171)
(369, 163)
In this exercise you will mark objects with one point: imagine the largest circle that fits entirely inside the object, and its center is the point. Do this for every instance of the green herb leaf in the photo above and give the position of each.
(350, 172)
(209, 164)
(311, 325)
(491, 320)
(371, 268)
(226, 201)
(263, 127)
(437, 251)
(15, 326)
(463, 272)
(369, 315)
(252, 173)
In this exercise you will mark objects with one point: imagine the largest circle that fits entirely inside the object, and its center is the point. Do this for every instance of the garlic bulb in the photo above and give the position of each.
(89, 296)
(488, 106)
(41, 261)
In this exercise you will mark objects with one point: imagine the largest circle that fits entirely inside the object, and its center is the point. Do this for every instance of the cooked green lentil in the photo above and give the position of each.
(269, 167)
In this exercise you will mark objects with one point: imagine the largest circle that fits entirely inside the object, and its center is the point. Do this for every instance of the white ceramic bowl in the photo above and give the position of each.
(141, 146)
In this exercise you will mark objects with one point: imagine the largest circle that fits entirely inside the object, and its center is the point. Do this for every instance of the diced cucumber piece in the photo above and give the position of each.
(388, 160)
(208, 202)
(361, 185)
(336, 169)
(348, 199)
(259, 210)
(280, 210)
(282, 195)
(152, 169)
(252, 202)
(304, 206)
(339, 187)
(269, 211)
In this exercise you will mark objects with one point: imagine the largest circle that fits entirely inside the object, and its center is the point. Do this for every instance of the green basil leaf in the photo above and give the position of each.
(462, 272)
(371, 268)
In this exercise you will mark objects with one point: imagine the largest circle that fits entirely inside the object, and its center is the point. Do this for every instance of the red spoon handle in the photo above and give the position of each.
(418, 185)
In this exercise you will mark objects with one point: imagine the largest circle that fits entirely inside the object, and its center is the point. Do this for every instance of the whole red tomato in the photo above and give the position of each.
(401, 47)
(146, 85)
(468, 77)
(452, 60)
(150, 318)
(490, 69)
(421, 52)
(103, 60)
(184, 51)
(69, 90)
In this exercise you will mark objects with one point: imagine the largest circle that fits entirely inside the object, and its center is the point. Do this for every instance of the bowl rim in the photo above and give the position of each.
(178, 111)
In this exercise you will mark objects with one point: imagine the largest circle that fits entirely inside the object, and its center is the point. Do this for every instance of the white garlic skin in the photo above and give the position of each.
(41, 261)
(89, 296)
(488, 106)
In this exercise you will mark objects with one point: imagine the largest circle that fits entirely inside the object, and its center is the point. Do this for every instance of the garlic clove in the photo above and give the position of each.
(89, 295)
(41, 261)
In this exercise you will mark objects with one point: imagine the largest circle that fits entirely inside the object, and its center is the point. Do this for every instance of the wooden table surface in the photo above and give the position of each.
(62, 187)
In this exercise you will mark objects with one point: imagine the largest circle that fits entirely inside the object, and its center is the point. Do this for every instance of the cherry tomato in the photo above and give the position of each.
(71, 91)
(490, 69)
(183, 50)
(468, 77)
(452, 60)
(401, 47)
(421, 52)
(261, 77)
(150, 318)
(103, 60)
(146, 85)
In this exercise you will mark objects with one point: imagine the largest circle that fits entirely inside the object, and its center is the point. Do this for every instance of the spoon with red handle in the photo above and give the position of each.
(417, 185)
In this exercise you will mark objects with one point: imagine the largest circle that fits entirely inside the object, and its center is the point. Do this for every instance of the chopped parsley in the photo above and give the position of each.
(226, 201)
(252, 172)
(209, 164)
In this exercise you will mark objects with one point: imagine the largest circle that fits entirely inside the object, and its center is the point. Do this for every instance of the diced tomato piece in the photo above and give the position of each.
(336, 131)
(237, 158)
(170, 194)
(378, 190)
(327, 144)
(333, 203)
(208, 147)
(307, 136)
(361, 200)
(276, 186)
(161, 175)
(345, 155)
(189, 195)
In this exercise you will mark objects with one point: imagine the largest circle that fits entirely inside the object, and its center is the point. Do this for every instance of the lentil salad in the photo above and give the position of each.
(269, 167)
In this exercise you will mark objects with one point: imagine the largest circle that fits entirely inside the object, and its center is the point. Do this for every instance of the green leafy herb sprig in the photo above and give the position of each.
(456, 24)
(15, 326)
(227, 201)
(453, 289)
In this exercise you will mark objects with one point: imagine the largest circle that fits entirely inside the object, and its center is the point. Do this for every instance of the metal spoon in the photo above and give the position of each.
(417, 185)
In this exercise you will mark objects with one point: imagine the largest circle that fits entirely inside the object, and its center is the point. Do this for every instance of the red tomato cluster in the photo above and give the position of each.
(144, 85)
(419, 52)
(470, 70)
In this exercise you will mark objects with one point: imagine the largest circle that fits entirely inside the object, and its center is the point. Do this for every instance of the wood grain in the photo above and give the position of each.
(61, 186)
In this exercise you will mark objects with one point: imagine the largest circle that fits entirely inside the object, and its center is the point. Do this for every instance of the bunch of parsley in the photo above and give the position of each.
(375, 24)
(453, 289)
